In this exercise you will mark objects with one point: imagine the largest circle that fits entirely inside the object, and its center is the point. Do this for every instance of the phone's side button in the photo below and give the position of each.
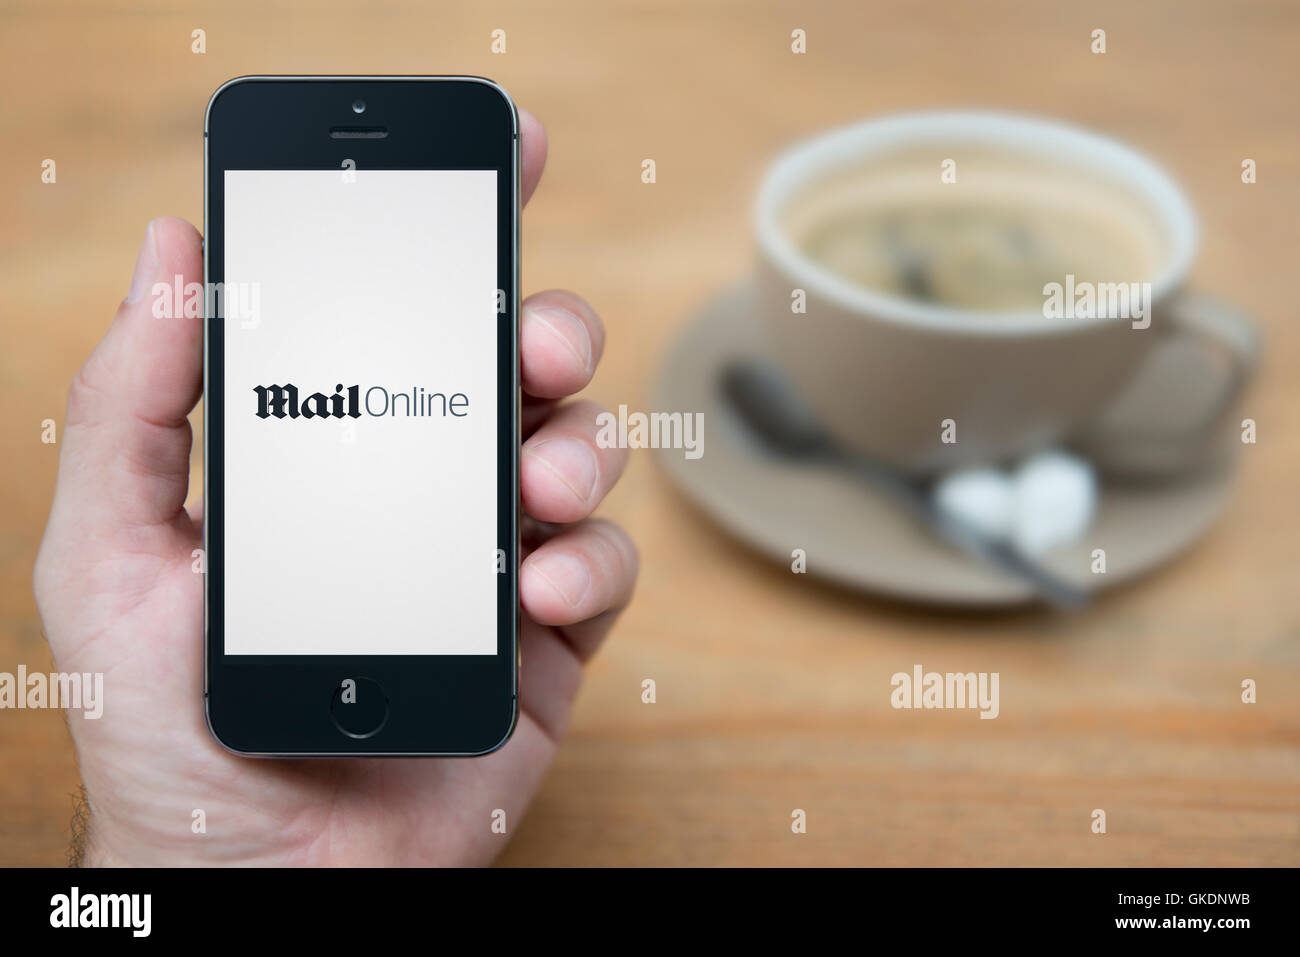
(359, 707)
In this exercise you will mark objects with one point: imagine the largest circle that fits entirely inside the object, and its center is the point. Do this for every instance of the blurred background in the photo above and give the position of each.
(772, 688)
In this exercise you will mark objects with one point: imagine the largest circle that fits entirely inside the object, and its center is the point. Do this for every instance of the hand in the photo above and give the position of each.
(117, 595)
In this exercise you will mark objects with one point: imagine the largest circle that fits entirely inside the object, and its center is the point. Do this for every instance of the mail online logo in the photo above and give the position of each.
(283, 402)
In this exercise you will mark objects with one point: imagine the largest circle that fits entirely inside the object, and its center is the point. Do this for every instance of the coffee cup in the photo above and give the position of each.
(950, 289)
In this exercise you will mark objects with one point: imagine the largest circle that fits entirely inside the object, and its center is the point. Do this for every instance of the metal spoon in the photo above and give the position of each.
(786, 426)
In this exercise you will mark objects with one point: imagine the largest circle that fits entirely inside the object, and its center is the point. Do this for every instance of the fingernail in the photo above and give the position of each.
(146, 267)
(566, 573)
(572, 461)
(570, 330)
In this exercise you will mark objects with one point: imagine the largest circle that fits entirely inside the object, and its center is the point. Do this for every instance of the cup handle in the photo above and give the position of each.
(1212, 324)
(1136, 450)
(1221, 325)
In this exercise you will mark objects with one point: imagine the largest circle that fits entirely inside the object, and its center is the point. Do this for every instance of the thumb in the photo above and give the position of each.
(126, 449)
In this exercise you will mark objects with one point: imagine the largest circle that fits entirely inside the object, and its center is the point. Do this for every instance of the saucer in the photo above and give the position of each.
(854, 534)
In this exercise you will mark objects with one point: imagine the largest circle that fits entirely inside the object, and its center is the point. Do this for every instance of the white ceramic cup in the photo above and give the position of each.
(885, 373)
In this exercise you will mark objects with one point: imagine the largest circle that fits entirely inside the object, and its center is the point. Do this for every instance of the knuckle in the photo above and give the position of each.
(85, 397)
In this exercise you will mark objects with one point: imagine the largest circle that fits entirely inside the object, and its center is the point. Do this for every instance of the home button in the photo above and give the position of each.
(359, 707)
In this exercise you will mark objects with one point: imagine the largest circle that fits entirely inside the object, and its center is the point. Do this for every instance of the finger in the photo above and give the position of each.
(563, 473)
(549, 677)
(126, 452)
(560, 341)
(532, 146)
(584, 572)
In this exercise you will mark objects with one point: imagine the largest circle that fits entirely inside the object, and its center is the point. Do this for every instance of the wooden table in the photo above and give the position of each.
(772, 689)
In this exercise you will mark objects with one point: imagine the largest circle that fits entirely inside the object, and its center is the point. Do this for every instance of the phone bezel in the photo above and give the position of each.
(439, 705)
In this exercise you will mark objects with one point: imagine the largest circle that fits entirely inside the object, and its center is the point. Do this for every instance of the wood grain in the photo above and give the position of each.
(772, 689)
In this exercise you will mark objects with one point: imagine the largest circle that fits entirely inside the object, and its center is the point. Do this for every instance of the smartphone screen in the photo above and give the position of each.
(361, 416)
(360, 446)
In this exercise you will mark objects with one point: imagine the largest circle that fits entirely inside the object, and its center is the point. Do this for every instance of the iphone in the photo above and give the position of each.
(361, 416)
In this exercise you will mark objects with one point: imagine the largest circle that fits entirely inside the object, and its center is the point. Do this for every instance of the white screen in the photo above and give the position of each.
(374, 534)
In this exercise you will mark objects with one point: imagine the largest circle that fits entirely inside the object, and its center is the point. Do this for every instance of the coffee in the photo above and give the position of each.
(989, 241)
(921, 337)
